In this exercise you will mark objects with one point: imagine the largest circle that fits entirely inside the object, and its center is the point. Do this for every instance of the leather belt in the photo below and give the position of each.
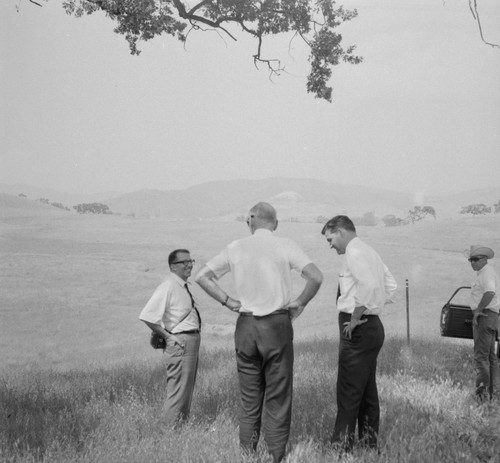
(276, 312)
(187, 332)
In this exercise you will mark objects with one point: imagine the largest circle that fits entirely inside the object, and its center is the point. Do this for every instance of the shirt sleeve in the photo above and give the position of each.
(220, 264)
(390, 285)
(364, 277)
(297, 257)
(154, 310)
(488, 282)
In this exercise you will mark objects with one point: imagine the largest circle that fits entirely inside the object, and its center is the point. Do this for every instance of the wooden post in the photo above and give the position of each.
(407, 313)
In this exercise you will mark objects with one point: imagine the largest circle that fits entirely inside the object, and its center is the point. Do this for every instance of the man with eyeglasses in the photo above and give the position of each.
(261, 266)
(171, 312)
(485, 304)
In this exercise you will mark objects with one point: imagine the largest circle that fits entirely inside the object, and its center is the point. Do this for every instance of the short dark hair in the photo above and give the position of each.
(172, 257)
(339, 221)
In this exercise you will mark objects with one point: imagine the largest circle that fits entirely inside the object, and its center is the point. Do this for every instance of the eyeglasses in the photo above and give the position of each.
(476, 259)
(184, 262)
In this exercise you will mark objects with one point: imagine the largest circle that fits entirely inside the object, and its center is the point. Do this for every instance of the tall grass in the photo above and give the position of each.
(429, 413)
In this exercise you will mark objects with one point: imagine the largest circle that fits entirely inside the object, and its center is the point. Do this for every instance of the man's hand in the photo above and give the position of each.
(350, 326)
(233, 305)
(172, 338)
(477, 314)
(295, 308)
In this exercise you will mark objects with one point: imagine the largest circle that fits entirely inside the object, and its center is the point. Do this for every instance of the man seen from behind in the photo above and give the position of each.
(261, 266)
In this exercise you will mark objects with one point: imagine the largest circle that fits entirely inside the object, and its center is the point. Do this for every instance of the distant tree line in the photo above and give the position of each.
(368, 219)
(480, 209)
(418, 213)
(92, 208)
(85, 208)
(54, 204)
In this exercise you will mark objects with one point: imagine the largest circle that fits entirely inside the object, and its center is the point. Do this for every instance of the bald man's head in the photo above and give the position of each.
(262, 215)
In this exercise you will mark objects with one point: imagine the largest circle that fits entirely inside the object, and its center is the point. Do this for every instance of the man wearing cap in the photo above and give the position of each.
(171, 312)
(261, 266)
(485, 304)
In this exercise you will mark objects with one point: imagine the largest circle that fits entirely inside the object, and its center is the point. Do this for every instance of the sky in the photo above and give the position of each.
(421, 114)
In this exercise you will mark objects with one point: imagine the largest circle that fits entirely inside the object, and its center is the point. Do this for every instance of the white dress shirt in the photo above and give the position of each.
(261, 265)
(169, 304)
(365, 280)
(486, 280)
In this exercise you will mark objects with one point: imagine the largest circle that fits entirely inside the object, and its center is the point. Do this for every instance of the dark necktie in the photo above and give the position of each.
(193, 304)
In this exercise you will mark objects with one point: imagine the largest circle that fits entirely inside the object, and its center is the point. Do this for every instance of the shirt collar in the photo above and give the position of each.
(484, 266)
(262, 231)
(354, 240)
(177, 279)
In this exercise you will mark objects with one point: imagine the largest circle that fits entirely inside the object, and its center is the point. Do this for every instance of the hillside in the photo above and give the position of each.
(14, 206)
(68, 199)
(304, 199)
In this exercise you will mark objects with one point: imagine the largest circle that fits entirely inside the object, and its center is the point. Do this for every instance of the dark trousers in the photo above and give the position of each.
(485, 358)
(264, 358)
(357, 395)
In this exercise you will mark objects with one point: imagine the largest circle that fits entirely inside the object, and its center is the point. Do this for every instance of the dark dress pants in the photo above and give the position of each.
(357, 395)
(485, 358)
(264, 358)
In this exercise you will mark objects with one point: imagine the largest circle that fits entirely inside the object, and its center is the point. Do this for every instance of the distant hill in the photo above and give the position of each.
(15, 206)
(67, 199)
(301, 198)
(304, 199)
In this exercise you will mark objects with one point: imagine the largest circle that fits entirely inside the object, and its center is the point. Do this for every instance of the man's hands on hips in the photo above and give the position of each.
(477, 314)
(233, 305)
(350, 326)
(295, 308)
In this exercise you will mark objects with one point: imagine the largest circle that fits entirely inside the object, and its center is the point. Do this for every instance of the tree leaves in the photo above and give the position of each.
(313, 20)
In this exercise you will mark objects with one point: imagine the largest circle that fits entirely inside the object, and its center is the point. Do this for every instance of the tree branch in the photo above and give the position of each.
(475, 14)
(190, 16)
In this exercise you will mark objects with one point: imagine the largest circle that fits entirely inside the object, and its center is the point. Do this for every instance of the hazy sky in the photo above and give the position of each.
(420, 114)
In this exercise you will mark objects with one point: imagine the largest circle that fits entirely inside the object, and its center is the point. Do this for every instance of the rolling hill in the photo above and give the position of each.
(304, 199)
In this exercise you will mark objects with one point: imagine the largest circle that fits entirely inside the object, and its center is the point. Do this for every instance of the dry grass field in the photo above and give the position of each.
(73, 286)
(80, 383)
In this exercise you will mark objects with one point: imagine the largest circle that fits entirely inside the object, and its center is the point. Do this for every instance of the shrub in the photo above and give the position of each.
(92, 208)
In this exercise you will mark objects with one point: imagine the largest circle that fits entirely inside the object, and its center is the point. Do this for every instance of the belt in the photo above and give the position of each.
(187, 332)
(276, 312)
(491, 310)
(349, 315)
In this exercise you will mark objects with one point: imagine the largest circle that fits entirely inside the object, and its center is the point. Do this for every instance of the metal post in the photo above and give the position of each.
(407, 313)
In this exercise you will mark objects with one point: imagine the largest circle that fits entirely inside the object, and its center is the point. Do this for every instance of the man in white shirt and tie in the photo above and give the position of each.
(171, 312)
(365, 286)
